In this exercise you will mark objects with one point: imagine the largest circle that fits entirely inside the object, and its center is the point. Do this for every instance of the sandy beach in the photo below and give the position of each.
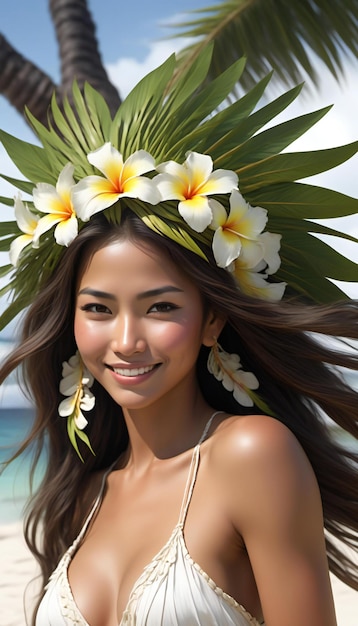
(18, 569)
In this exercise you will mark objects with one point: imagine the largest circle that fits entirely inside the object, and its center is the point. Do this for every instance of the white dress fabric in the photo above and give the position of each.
(172, 590)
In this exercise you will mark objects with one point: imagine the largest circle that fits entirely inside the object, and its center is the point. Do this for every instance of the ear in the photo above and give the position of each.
(213, 326)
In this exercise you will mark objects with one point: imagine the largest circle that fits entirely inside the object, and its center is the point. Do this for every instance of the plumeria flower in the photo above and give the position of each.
(27, 222)
(237, 234)
(75, 383)
(254, 282)
(120, 179)
(191, 183)
(227, 368)
(253, 278)
(56, 202)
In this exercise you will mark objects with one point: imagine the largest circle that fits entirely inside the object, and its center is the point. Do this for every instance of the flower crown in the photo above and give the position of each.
(199, 173)
(236, 237)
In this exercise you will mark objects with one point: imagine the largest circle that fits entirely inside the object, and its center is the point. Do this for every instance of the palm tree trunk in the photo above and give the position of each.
(79, 53)
(23, 83)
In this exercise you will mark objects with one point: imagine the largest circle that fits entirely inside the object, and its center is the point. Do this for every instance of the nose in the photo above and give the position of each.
(127, 336)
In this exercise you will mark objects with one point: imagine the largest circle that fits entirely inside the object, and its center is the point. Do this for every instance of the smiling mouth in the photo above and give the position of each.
(133, 371)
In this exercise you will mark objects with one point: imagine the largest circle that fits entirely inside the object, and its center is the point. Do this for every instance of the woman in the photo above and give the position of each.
(198, 483)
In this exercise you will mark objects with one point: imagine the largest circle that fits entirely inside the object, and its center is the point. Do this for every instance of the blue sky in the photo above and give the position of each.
(131, 44)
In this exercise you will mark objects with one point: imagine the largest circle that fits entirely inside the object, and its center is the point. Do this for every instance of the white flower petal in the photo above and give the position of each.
(142, 188)
(80, 421)
(227, 382)
(219, 214)
(65, 180)
(67, 406)
(172, 168)
(201, 165)
(46, 198)
(256, 284)
(250, 221)
(196, 212)
(74, 361)
(87, 401)
(247, 379)
(140, 162)
(92, 195)
(251, 253)
(231, 360)
(107, 160)
(66, 231)
(271, 246)
(221, 181)
(69, 383)
(169, 187)
(17, 246)
(44, 224)
(226, 247)
(26, 220)
(242, 397)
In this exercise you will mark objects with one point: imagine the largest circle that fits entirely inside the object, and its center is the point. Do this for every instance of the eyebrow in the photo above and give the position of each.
(146, 294)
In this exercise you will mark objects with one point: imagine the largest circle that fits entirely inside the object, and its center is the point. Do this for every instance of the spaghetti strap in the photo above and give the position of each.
(193, 470)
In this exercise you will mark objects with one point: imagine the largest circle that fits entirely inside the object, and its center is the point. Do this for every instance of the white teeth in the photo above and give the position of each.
(133, 371)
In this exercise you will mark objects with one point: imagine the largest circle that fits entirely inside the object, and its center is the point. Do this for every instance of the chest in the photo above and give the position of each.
(134, 522)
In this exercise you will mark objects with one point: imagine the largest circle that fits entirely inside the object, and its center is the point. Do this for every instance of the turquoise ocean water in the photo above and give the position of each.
(14, 481)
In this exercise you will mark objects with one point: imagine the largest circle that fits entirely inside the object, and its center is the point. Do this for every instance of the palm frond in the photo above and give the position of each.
(274, 34)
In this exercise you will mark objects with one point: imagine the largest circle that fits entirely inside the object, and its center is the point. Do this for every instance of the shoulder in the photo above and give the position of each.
(262, 466)
(253, 439)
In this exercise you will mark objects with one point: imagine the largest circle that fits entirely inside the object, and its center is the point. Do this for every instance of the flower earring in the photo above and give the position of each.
(75, 383)
(228, 370)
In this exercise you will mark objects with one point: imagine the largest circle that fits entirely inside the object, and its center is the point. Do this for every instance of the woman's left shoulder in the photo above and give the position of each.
(264, 474)
(258, 444)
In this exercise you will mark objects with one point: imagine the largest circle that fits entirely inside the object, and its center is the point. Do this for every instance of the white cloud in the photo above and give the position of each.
(127, 72)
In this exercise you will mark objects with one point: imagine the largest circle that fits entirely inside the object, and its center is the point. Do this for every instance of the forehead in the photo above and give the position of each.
(125, 265)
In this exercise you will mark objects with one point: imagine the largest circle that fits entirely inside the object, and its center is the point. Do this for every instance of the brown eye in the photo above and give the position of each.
(163, 307)
(94, 307)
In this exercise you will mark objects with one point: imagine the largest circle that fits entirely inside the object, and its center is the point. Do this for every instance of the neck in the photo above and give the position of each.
(165, 430)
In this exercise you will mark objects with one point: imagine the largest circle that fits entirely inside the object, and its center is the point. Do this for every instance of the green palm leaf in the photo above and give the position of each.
(22, 185)
(32, 161)
(302, 201)
(274, 34)
(290, 166)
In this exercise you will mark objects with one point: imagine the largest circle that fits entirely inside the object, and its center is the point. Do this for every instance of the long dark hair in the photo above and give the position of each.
(283, 343)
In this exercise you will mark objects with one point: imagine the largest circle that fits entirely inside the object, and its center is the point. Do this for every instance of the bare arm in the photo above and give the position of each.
(277, 511)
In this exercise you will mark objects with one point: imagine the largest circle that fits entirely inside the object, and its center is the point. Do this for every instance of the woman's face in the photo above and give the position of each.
(139, 325)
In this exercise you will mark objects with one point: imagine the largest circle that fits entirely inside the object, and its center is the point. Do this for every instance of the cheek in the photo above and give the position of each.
(87, 337)
(80, 331)
(182, 337)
